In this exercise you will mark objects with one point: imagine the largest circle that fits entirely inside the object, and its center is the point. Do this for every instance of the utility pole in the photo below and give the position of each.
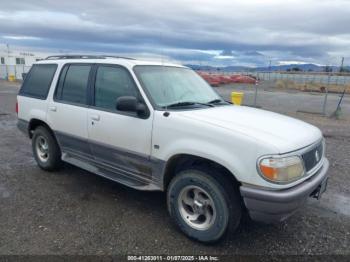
(8, 50)
(341, 65)
(8, 60)
(270, 69)
(326, 95)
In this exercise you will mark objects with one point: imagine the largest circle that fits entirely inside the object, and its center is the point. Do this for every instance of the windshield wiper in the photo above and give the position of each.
(217, 101)
(186, 103)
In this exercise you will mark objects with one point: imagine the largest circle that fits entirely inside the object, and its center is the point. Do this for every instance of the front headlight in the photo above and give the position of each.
(281, 170)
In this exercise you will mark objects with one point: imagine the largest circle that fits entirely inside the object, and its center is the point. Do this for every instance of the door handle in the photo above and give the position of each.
(53, 108)
(95, 117)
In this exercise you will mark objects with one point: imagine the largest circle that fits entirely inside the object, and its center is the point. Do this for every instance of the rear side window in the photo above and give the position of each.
(111, 83)
(38, 81)
(73, 84)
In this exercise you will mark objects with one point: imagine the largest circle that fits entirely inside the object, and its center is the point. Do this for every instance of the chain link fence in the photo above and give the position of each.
(308, 92)
(323, 84)
(306, 77)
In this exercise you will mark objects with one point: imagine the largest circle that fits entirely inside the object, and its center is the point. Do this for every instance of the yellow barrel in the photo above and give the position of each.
(12, 78)
(237, 98)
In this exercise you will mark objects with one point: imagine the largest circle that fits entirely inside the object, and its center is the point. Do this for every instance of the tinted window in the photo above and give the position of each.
(111, 83)
(37, 82)
(75, 84)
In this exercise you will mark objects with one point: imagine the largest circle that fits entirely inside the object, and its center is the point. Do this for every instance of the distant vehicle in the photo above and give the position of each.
(154, 126)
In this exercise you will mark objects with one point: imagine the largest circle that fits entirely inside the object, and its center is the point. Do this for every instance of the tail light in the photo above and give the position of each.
(17, 107)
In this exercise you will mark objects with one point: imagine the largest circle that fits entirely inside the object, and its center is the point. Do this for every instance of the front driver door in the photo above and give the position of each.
(120, 141)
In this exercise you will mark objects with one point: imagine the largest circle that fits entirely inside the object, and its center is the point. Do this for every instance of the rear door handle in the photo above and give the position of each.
(95, 117)
(53, 108)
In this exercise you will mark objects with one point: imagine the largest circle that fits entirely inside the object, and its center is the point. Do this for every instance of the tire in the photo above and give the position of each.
(214, 221)
(46, 151)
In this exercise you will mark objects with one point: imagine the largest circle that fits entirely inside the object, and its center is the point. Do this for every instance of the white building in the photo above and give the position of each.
(14, 62)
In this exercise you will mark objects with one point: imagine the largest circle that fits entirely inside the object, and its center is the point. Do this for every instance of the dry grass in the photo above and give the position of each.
(311, 86)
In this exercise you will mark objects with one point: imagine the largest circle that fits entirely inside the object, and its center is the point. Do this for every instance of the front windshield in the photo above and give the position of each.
(170, 85)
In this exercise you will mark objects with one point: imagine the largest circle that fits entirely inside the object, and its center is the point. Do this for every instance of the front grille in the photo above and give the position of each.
(313, 157)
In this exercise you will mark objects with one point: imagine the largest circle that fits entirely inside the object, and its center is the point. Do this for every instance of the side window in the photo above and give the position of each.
(38, 81)
(73, 84)
(111, 83)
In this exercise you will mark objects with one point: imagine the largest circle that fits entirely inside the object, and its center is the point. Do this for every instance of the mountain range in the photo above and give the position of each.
(301, 67)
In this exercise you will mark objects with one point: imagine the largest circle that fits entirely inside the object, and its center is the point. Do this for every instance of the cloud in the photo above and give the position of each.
(218, 32)
(19, 37)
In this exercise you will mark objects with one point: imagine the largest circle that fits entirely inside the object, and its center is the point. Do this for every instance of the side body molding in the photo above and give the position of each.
(128, 168)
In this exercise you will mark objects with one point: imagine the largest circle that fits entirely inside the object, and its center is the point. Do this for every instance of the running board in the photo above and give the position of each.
(110, 173)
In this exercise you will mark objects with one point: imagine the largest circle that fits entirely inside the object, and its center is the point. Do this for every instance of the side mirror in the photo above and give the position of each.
(130, 104)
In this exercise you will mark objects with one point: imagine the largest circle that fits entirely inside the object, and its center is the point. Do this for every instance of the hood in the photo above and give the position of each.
(286, 134)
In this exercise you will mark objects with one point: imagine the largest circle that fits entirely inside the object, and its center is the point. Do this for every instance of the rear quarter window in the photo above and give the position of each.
(38, 81)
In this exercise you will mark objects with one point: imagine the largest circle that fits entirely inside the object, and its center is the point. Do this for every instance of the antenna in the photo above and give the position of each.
(162, 65)
(161, 48)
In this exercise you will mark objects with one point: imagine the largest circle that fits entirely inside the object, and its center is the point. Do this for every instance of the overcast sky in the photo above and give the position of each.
(216, 32)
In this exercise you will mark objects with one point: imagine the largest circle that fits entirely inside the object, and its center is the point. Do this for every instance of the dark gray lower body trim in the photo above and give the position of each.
(76, 145)
(132, 169)
(23, 125)
(274, 206)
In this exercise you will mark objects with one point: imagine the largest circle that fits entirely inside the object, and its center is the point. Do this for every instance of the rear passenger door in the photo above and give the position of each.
(119, 140)
(67, 112)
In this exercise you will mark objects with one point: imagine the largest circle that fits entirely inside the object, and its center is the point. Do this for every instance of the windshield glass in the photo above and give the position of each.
(170, 85)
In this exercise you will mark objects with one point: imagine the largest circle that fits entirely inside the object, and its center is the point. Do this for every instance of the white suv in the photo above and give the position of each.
(155, 126)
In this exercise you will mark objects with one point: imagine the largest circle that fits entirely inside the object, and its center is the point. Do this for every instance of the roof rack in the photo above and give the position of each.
(120, 57)
(73, 57)
(54, 57)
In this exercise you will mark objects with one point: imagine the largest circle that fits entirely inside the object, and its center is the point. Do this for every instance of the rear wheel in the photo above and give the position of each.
(45, 149)
(204, 204)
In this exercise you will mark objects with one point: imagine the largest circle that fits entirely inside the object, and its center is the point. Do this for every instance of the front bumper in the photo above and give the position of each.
(274, 206)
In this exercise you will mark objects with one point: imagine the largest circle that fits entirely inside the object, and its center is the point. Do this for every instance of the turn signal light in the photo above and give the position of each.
(281, 170)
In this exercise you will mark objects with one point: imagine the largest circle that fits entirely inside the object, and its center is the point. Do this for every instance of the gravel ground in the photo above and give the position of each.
(76, 212)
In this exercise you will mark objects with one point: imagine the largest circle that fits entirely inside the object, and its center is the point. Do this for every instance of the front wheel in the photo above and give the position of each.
(203, 204)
